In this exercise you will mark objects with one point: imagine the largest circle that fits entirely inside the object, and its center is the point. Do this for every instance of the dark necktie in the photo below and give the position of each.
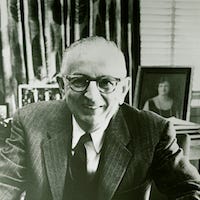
(79, 161)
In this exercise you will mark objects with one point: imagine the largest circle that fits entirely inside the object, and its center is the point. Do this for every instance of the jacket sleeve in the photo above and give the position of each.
(12, 163)
(172, 172)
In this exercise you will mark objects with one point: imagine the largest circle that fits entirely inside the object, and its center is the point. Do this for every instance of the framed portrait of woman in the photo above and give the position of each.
(164, 90)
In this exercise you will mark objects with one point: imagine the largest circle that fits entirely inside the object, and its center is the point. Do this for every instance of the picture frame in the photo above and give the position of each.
(3, 111)
(28, 93)
(179, 95)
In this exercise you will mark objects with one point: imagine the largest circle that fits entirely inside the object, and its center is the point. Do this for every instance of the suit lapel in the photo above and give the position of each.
(114, 158)
(55, 151)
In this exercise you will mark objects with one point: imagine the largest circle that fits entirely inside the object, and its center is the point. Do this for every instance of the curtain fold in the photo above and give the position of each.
(34, 34)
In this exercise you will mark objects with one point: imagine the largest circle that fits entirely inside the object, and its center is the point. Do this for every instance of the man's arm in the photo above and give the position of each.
(172, 172)
(12, 163)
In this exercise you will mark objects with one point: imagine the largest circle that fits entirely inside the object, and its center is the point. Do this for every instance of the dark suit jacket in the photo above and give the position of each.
(139, 146)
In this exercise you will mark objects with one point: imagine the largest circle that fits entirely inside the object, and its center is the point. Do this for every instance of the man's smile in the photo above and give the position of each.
(92, 107)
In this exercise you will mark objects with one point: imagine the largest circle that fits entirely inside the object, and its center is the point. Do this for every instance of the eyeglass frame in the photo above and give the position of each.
(89, 79)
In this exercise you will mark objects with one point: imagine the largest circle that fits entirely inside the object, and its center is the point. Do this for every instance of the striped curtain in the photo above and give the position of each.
(34, 33)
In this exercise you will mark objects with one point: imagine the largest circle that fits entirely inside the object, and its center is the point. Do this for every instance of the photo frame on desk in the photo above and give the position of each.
(28, 93)
(154, 84)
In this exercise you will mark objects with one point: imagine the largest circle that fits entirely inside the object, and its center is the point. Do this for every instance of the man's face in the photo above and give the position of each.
(92, 108)
(163, 88)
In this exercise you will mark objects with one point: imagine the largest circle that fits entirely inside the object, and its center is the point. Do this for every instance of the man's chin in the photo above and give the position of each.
(94, 122)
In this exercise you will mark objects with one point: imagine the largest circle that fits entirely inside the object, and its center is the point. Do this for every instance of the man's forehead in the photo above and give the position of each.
(91, 52)
(104, 55)
(95, 68)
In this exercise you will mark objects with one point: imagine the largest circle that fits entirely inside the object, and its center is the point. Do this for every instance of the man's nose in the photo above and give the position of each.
(92, 91)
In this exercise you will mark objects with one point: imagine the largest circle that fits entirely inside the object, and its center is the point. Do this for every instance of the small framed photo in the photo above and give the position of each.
(3, 112)
(164, 90)
(28, 93)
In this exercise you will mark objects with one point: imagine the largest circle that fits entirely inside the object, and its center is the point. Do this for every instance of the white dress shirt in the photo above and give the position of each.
(93, 148)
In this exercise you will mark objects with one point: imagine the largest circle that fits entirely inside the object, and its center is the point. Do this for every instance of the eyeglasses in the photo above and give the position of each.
(80, 83)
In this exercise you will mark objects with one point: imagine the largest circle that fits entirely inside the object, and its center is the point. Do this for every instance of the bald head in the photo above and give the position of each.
(95, 49)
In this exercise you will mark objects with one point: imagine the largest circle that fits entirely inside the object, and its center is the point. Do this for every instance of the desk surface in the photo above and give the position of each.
(194, 147)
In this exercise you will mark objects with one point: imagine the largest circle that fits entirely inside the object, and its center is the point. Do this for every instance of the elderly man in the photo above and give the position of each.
(91, 145)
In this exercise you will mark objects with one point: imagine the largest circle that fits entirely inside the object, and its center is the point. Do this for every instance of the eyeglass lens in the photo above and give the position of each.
(104, 84)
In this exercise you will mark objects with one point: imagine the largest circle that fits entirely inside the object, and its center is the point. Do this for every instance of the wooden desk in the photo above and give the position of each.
(194, 147)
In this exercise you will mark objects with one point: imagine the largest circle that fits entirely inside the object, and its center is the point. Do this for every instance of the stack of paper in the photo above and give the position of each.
(183, 126)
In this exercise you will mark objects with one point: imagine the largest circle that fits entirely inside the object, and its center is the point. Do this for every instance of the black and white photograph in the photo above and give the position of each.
(34, 93)
(164, 90)
(99, 99)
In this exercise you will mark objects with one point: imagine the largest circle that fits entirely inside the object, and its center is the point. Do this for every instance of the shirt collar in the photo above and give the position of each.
(97, 136)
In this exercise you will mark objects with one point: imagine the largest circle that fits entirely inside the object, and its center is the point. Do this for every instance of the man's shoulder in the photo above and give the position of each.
(131, 110)
(144, 124)
(142, 117)
(42, 107)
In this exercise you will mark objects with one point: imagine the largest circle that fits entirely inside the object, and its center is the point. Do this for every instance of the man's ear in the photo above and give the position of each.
(125, 88)
(61, 84)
